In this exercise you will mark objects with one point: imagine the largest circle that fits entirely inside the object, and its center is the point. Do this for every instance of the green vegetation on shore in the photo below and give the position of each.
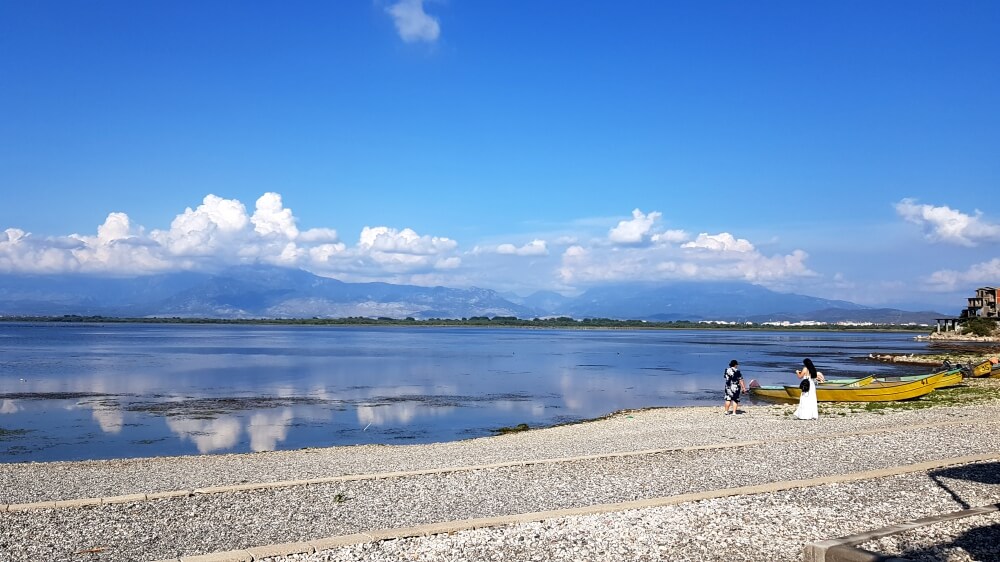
(479, 321)
(515, 429)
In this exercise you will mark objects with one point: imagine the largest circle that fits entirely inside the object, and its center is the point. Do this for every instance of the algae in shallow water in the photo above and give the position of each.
(4, 433)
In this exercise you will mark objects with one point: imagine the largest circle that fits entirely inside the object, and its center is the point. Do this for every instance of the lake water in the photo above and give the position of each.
(88, 391)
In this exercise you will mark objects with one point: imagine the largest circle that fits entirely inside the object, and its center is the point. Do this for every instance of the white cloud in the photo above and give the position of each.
(406, 241)
(216, 224)
(709, 257)
(271, 217)
(945, 224)
(218, 233)
(318, 236)
(722, 242)
(534, 248)
(983, 273)
(634, 231)
(413, 23)
(670, 237)
(448, 263)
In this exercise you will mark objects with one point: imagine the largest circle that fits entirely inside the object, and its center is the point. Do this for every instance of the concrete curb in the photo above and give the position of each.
(845, 549)
(82, 502)
(469, 524)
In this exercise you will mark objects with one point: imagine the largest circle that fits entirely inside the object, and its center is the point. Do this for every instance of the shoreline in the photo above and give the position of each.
(775, 407)
(623, 457)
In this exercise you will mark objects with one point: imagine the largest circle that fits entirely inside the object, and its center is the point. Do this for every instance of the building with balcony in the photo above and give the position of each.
(983, 305)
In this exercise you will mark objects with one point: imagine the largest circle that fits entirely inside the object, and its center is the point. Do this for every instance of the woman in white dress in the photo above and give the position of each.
(808, 408)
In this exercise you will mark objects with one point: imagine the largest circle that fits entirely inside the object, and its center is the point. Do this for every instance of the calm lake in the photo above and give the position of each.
(72, 391)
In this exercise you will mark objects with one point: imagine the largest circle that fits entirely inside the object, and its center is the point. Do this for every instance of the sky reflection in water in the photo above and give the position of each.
(128, 390)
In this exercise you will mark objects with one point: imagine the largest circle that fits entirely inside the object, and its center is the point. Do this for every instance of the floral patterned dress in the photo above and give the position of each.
(733, 378)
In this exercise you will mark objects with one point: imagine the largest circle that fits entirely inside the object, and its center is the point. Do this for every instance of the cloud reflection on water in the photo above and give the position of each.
(398, 413)
(267, 429)
(9, 407)
(208, 435)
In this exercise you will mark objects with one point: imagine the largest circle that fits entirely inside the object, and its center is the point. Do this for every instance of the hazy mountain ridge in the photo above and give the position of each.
(272, 292)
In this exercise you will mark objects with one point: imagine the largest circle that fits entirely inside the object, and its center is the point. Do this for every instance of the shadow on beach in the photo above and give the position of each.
(981, 543)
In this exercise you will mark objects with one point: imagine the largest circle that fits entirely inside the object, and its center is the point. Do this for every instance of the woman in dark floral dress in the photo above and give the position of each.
(734, 387)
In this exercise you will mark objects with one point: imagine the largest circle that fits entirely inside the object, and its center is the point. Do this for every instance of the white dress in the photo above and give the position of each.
(808, 408)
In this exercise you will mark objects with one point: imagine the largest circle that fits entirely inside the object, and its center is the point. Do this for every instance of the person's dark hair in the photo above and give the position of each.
(734, 363)
(809, 365)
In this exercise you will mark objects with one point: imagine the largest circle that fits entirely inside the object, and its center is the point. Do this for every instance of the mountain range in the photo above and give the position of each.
(273, 292)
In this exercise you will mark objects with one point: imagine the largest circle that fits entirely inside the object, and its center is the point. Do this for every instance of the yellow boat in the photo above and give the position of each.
(780, 392)
(877, 391)
(771, 391)
(849, 382)
(953, 377)
(983, 369)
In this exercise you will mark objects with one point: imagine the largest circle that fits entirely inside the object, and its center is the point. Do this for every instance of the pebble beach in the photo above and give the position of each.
(660, 484)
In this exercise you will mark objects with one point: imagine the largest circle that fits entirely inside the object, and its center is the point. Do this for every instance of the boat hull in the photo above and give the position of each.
(983, 369)
(771, 392)
(849, 383)
(953, 377)
(877, 391)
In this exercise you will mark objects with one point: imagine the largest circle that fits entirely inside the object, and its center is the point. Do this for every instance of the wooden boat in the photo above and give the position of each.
(877, 391)
(779, 392)
(770, 391)
(983, 369)
(861, 381)
(953, 377)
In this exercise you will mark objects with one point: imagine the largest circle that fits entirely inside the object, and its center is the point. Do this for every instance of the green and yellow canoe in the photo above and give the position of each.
(952, 377)
(874, 391)
(779, 392)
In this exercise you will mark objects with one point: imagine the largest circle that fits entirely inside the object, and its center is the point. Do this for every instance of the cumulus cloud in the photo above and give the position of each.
(709, 257)
(634, 231)
(983, 273)
(220, 232)
(213, 226)
(406, 241)
(670, 237)
(272, 218)
(413, 23)
(944, 224)
(534, 248)
(722, 242)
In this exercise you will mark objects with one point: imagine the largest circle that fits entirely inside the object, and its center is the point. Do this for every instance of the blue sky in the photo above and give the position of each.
(843, 149)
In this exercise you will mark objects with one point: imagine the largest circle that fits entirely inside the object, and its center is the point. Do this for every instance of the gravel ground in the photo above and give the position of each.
(770, 526)
(761, 527)
(973, 538)
(631, 431)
